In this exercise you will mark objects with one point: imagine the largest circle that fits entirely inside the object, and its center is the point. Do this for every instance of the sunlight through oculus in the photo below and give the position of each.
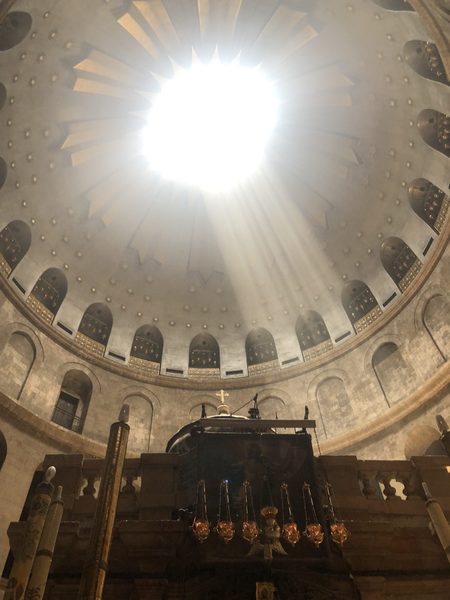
(209, 125)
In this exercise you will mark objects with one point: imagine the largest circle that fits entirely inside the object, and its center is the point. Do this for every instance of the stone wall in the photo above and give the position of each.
(371, 383)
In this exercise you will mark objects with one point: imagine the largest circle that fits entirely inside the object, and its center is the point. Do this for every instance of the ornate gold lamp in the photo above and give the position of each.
(250, 529)
(289, 531)
(338, 530)
(225, 526)
(313, 530)
(200, 526)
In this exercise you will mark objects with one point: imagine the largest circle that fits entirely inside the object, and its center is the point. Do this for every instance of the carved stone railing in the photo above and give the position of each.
(148, 488)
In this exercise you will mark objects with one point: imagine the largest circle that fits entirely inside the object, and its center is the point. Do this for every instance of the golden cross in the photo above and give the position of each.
(222, 395)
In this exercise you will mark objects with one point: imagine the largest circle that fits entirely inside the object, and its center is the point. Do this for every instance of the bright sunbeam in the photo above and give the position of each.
(209, 125)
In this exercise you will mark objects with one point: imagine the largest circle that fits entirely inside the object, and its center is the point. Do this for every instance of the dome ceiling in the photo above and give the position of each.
(332, 189)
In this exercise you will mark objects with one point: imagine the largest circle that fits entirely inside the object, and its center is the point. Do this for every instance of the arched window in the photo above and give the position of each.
(425, 59)
(16, 363)
(95, 328)
(312, 334)
(335, 406)
(395, 377)
(399, 261)
(436, 322)
(140, 422)
(14, 28)
(73, 401)
(48, 293)
(360, 305)
(146, 350)
(434, 127)
(204, 356)
(429, 203)
(15, 240)
(261, 351)
(3, 450)
(394, 4)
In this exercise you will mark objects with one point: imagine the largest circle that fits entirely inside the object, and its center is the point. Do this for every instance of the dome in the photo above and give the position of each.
(307, 278)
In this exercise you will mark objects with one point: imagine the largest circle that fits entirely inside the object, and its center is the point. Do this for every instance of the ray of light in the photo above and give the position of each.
(137, 32)
(159, 21)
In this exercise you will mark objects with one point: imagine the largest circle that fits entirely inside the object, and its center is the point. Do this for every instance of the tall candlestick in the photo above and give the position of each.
(24, 554)
(95, 567)
(44, 555)
(438, 520)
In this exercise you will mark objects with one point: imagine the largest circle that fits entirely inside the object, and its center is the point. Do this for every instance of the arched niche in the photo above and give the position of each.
(436, 321)
(195, 412)
(140, 422)
(3, 450)
(14, 28)
(312, 334)
(394, 5)
(434, 127)
(425, 60)
(95, 328)
(360, 305)
(48, 294)
(146, 349)
(3, 95)
(272, 407)
(15, 240)
(429, 202)
(73, 400)
(204, 356)
(400, 262)
(394, 375)
(260, 351)
(335, 406)
(16, 363)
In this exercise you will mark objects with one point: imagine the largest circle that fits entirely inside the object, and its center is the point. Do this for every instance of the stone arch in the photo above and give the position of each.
(95, 325)
(360, 305)
(77, 366)
(424, 58)
(3, 450)
(434, 127)
(14, 29)
(18, 357)
(195, 411)
(399, 261)
(260, 351)
(140, 421)
(315, 410)
(271, 406)
(312, 334)
(429, 203)
(402, 5)
(146, 349)
(436, 322)
(394, 375)
(48, 293)
(73, 400)
(334, 404)
(204, 356)
(15, 241)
